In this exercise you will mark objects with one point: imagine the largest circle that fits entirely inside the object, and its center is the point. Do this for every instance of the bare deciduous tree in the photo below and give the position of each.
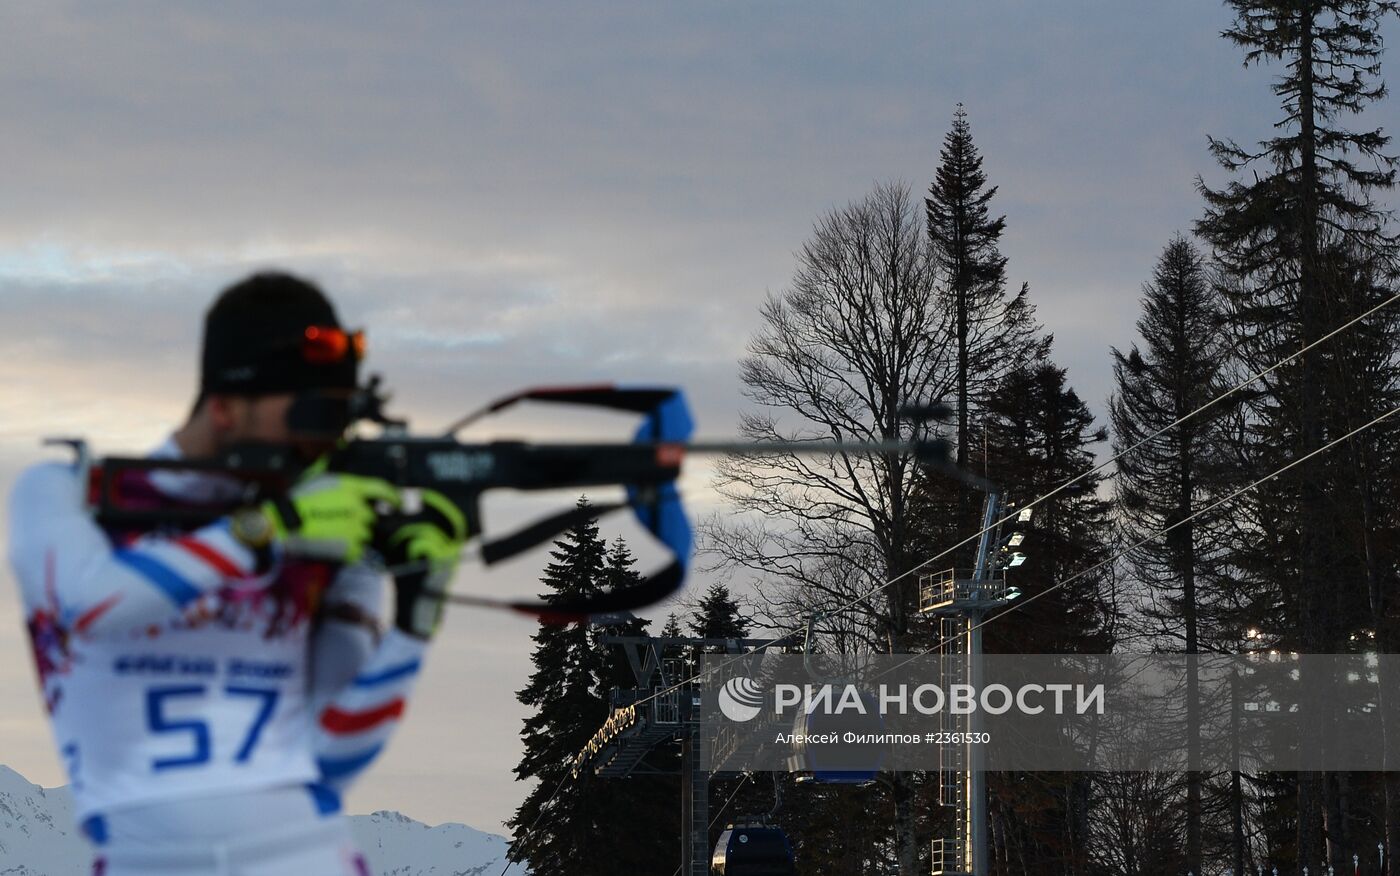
(860, 334)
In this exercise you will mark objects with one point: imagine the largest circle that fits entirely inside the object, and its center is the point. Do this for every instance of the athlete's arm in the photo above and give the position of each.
(349, 628)
(355, 725)
(67, 564)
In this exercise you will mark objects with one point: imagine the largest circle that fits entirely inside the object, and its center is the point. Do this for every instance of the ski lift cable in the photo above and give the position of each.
(1067, 484)
(1231, 391)
(510, 849)
(1164, 530)
(1155, 534)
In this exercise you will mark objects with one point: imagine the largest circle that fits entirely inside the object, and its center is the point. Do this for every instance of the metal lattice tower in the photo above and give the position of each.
(962, 600)
(953, 854)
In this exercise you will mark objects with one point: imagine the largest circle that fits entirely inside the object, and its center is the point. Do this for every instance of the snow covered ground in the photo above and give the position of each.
(37, 838)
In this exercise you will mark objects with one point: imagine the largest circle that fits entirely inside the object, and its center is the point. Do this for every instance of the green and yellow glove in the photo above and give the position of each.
(427, 543)
(325, 516)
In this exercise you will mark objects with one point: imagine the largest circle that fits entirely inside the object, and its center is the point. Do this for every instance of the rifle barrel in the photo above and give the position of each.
(813, 446)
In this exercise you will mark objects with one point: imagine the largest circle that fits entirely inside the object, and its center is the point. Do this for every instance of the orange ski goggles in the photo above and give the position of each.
(329, 345)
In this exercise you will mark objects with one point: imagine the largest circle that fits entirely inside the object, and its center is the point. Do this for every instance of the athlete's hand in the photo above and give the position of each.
(330, 516)
(421, 549)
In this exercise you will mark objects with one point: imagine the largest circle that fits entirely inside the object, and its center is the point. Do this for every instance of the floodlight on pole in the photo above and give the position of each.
(1015, 560)
(1024, 516)
(1015, 539)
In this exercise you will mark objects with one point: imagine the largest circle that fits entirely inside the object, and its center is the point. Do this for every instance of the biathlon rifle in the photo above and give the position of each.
(647, 468)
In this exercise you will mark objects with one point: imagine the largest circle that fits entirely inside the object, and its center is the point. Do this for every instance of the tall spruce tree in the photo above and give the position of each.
(591, 825)
(555, 832)
(1271, 234)
(1040, 434)
(1364, 383)
(1167, 480)
(991, 332)
(1178, 369)
(638, 815)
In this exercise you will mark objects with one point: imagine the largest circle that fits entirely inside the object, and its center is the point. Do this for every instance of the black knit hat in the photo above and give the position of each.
(253, 336)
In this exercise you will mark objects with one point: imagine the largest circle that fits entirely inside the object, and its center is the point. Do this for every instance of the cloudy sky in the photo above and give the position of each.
(516, 193)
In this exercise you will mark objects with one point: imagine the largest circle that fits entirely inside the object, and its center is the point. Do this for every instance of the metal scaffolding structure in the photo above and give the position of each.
(962, 600)
(662, 708)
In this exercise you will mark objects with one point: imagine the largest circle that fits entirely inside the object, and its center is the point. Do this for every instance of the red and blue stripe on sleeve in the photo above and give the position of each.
(186, 567)
(355, 726)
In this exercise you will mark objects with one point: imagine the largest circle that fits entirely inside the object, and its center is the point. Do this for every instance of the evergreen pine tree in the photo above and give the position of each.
(672, 630)
(1273, 235)
(683, 656)
(991, 333)
(1174, 476)
(1040, 434)
(619, 572)
(586, 825)
(638, 815)
(555, 832)
(1365, 377)
(1167, 479)
(719, 616)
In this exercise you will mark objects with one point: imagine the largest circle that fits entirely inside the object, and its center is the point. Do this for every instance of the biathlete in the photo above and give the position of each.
(213, 691)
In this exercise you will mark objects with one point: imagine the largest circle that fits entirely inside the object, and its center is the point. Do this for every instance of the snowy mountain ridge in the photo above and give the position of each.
(37, 838)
